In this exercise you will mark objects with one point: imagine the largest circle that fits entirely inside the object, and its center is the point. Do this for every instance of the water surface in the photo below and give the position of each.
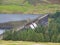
(15, 17)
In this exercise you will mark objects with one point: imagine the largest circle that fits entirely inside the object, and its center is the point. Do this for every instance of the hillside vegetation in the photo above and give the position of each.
(29, 6)
(28, 9)
(25, 43)
(33, 2)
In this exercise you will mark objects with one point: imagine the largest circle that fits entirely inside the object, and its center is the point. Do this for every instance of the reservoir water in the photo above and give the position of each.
(15, 17)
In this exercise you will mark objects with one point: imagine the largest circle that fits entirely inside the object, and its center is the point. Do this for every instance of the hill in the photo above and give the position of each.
(33, 2)
(29, 6)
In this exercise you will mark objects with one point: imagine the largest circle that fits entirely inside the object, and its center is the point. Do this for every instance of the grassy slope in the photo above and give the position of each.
(15, 7)
(25, 43)
(28, 9)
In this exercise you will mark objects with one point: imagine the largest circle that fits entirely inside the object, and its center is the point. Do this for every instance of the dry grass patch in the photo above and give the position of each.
(25, 43)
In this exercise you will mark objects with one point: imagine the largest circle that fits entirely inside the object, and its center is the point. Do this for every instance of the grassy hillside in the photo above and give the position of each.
(29, 9)
(30, 1)
(28, 6)
(17, 2)
(26, 43)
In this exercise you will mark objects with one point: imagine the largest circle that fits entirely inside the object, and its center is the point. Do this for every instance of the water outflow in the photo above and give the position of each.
(2, 31)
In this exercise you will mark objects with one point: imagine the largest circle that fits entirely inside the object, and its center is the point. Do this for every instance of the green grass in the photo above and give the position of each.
(26, 43)
(12, 9)
(29, 9)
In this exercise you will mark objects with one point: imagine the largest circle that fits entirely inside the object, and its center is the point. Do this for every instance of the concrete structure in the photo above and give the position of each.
(40, 20)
